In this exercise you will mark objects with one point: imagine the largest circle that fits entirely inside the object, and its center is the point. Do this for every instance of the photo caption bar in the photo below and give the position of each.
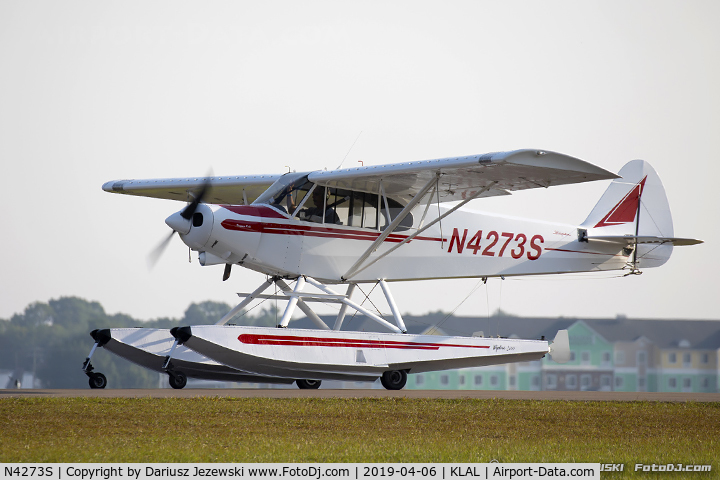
(297, 471)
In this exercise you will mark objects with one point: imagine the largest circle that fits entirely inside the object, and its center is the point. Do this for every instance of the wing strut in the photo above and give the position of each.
(391, 228)
(410, 237)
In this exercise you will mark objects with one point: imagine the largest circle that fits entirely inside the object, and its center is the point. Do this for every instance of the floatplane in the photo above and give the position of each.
(318, 235)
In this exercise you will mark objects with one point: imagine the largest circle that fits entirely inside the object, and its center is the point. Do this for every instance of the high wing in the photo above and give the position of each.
(231, 190)
(463, 177)
(460, 178)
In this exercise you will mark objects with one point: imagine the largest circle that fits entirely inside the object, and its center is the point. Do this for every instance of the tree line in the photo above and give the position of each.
(51, 340)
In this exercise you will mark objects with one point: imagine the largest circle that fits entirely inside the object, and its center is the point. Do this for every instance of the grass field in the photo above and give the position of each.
(214, 429)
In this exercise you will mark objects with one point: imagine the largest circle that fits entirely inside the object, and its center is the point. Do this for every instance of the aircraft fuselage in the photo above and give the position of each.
(471, 244)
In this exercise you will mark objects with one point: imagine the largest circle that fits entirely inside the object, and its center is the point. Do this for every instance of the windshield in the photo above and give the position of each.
(286, 193)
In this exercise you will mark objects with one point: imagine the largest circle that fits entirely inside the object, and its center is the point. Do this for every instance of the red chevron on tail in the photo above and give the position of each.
(626, 209)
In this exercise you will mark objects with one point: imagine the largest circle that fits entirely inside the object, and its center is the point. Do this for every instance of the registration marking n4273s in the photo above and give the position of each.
(501, 241)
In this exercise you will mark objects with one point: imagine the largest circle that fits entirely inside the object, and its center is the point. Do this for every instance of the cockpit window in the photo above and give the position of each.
(355, 209)
(333, 206)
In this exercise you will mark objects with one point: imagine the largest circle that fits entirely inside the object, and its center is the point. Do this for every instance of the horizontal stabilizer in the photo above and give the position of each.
(643, 239)
(560, 348)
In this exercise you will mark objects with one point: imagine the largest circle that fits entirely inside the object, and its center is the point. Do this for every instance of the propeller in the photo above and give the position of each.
(180, 222)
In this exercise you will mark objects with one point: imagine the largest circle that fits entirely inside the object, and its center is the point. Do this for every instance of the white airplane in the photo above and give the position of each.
(378, 225)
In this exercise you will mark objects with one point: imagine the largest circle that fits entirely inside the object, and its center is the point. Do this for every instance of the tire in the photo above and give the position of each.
(394, 379)
(178, 380)
(97, 380)
(308, 384)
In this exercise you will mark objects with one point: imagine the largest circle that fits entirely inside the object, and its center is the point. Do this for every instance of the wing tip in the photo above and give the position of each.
(114, 186)
(556, 160)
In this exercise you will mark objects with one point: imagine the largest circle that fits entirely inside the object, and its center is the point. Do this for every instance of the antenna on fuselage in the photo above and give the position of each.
(348, 152)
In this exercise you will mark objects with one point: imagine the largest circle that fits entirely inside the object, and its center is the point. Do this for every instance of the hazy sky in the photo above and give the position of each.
(97, 91)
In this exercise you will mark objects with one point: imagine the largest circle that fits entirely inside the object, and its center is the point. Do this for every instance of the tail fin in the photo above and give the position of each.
(560, 347)
(634, 212)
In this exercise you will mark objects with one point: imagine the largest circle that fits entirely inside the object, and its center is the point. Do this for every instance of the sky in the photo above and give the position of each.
(98, 91)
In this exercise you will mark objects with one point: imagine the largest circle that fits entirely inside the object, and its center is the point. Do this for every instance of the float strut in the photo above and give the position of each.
(166, 363)
(87, 366)
(393, 307)
(292, 303)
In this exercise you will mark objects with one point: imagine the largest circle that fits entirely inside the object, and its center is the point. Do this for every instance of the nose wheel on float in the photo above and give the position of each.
(96, 379)
(178, 380)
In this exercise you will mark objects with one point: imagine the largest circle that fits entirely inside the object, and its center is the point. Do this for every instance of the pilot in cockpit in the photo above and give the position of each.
(288, 194)
(315, 213)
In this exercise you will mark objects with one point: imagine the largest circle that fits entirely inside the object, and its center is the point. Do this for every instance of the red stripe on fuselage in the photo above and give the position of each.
(254, 211)
(283, 229)
(288, 340)
(309, 229)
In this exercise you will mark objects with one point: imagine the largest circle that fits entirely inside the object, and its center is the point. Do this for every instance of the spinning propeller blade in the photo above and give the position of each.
(179, 222)
(157, 252)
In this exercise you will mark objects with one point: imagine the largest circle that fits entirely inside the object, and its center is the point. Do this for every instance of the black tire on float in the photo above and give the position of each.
(308, 384)
(178, 380)
(97, 380)
(394, 379)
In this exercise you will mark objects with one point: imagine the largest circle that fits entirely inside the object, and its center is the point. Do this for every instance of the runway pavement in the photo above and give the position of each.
(355, 393)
